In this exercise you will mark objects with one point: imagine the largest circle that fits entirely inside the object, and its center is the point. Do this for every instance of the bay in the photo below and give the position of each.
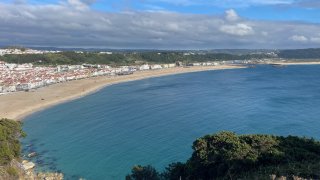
(154, 121)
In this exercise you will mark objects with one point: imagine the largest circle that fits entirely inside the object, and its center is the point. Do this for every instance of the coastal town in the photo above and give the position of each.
(24, 77)
(28, 76)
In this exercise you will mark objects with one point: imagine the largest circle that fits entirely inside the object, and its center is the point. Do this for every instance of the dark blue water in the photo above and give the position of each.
(155, 121)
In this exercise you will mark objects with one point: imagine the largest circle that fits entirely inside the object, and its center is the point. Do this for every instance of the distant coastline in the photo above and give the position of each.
(21, 104)
(299, 63)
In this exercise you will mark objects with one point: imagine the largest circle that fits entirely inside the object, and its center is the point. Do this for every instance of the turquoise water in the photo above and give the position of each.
(155, 121)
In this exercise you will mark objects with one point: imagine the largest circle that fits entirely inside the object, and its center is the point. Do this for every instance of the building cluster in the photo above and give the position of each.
(24, 77)
(259, 61)
(155, 66)
(23, 51)
(205, 64)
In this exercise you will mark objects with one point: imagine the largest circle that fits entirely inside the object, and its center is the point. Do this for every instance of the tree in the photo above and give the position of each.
(175, 171)
(143, 173)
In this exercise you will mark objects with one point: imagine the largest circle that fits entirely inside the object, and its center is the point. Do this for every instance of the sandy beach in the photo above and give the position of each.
(21, 104)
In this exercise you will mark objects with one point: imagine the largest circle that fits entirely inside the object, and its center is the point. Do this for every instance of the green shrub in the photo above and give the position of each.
(10, 132)
(12, 171)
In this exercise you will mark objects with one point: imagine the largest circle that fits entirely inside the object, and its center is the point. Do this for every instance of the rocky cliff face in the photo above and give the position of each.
(25, 171)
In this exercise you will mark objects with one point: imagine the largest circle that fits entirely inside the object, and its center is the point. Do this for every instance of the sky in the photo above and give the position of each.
(161, 24)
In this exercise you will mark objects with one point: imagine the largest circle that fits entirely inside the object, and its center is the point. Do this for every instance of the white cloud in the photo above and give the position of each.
(269, 2)
(74, 23)
(299, 38)
(177, 2)
(231, 15)
(264, 33)
(226, 3)
(315, 39)
(78, 4)
(238, 29)
(308, 3)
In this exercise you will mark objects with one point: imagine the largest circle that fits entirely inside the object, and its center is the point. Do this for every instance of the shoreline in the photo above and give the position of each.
(21, 104)
(297, 63)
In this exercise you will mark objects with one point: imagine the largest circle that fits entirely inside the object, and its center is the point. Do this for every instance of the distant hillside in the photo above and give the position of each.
(123, 58)
(226, 155)
(300, 54)
(241, 51)
(132, 57)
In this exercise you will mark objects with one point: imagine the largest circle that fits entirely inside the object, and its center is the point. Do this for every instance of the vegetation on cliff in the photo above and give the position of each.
(10, 148)
(229, 156)
(10, 132)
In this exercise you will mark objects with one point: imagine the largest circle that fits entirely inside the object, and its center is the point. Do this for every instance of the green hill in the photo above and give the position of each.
(121, 58)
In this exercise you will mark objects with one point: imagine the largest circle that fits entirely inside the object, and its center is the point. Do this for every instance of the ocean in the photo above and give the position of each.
(155, 121)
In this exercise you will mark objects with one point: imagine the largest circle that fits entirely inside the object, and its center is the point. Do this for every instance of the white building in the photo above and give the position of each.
(74, 67)
(22, 87)
(23, 67)
(10, 88)
(62, 68)
(168, 65)
(11, 66)
(2, 65)
(144, 67)
(109, 53)
(156, 66)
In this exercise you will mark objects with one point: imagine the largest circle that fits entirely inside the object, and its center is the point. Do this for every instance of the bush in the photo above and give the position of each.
(143, 173)
(12, 171)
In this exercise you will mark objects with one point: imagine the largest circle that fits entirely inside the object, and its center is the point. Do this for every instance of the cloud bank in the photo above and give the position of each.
(73, 23)
(227, 3)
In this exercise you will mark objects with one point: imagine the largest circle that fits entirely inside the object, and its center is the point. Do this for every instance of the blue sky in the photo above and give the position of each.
(162, 23)
(283, 10)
